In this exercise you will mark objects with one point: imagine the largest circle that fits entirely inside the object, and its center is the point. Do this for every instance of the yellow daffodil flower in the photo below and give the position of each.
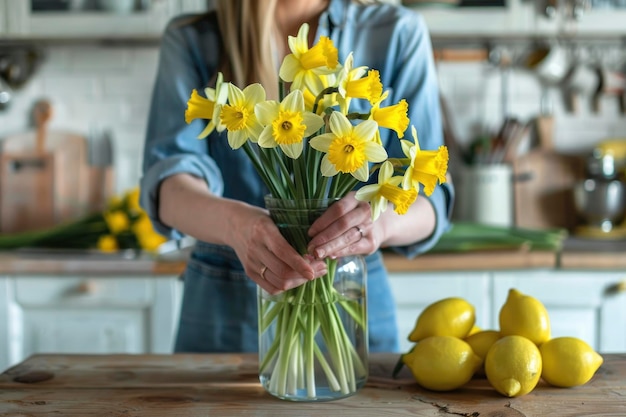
(199, 107)
(393, 117)
(387, 189)
(238, 115)
(117, 221)
(142, 224)
(150, 240)
(286, 123)
(115, 202)
(427, 167)
(357, 83)
(107, 243)
(303, 66)
(348, 148)
(328, 100)
(132, 201)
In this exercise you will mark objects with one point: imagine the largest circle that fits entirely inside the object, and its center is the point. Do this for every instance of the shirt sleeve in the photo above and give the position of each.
(171, 145)
(414, 78)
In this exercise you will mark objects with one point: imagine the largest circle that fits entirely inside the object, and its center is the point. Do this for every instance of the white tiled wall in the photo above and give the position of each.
(93, 88)
(98, 87)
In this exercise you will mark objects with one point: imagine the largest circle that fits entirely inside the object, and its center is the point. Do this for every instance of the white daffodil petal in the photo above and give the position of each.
(322, 142)
(255, 93)
(327, 168)
(266, 139)
(367, 192)
(266, 111)
(289, 68)
(375, 152)
(362, 173)
(366, 129)
(312, 81)
(293, 151)
(301, 42)
(254, 131)
(379, 205)
(340, 125)
(293, 102)
(207, 130)
(235, 95)
(385, 172)
(236, 139)
(313, 123)
(406, 147)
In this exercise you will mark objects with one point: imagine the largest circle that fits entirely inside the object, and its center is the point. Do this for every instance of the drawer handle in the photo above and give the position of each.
(86, 288)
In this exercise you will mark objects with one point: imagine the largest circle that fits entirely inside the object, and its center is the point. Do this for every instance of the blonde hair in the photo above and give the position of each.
(247, 28)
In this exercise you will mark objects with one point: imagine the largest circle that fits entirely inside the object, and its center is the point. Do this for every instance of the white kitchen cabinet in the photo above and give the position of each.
(515, 17)
(414, 291)
(584, 304)
(86, 315)
(580, 303)
(23, 22)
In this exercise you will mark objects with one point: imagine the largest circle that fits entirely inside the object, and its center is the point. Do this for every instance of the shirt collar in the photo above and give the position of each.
(334, 15)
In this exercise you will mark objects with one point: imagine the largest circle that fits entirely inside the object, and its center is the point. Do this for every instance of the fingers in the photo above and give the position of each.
(345, 228)
(276, 266)
(281, 277)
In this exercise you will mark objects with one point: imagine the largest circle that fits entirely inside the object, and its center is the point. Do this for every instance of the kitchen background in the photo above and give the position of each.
(101, 88)
(97, 69)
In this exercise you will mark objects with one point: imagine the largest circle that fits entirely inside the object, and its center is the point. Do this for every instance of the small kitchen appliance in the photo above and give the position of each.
(600, 198)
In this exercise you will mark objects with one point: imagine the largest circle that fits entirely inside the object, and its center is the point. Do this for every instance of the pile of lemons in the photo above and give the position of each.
(450, 350)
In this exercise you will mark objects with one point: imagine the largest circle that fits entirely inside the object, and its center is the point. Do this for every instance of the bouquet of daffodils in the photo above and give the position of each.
(306, 146)
(121, 225)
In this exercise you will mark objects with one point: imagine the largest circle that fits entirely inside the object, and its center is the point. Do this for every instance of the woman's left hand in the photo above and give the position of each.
(345, 228)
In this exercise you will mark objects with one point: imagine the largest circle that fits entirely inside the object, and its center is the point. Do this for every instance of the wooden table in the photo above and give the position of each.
(227, 385)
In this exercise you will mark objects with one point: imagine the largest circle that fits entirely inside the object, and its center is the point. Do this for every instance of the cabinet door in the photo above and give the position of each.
(25, 21)
(87, 315)
(581, 304)
(513, 17)
(415, 291)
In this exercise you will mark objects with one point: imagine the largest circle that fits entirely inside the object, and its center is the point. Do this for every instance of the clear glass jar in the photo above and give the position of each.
(313, 340)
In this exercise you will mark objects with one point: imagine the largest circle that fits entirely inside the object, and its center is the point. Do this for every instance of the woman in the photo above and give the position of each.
(204, 189)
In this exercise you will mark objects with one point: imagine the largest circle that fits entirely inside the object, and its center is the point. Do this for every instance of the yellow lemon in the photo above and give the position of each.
(524, 315)
(513, 366)
(568, 361)
(447, 317)
(480, 342)
(474, 329)
(442, 363)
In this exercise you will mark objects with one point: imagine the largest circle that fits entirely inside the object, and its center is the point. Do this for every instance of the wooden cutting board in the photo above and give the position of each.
(45, 178)
(544, 180)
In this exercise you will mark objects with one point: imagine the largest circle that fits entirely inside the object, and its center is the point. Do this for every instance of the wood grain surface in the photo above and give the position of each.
(227, 385)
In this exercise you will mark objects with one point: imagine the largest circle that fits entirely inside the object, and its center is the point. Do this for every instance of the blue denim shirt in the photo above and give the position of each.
(391, 39)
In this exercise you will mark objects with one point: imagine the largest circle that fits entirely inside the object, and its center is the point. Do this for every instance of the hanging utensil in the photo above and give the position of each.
(6, 94)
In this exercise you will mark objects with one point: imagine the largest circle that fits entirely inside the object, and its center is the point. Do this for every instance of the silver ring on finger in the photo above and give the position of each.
(360, 232)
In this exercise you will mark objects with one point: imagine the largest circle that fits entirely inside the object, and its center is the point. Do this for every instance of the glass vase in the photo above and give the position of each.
(313, 341)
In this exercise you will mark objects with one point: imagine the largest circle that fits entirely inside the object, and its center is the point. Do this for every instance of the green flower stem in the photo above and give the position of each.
(299, 314)
(80, 233)
(260, 169)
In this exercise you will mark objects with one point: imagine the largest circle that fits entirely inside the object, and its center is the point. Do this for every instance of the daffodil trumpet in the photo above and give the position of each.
(309, 149)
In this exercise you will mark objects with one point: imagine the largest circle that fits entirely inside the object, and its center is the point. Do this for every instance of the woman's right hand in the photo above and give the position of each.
(268, 259)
